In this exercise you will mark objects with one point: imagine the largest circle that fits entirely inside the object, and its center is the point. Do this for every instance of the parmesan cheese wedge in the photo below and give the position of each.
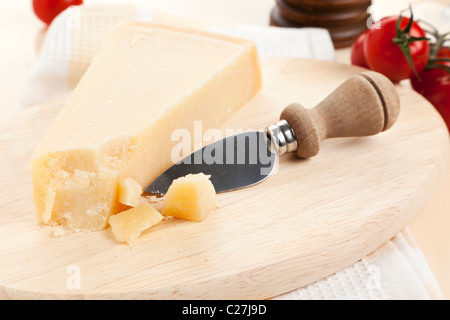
(147, 81)
(191, 197)
(128, 225)
(130, 192)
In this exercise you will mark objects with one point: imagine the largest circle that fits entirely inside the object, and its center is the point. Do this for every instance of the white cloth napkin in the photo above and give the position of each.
(397, 270)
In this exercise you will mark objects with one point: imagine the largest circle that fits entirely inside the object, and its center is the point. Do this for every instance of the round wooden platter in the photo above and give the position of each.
(307, 221)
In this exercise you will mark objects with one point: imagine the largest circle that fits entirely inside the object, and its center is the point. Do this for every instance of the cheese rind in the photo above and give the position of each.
(128, 225)
(191, 197)
(146, 82)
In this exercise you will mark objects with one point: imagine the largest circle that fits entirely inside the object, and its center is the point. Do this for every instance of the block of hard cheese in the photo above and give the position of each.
(146, 82)
(130, 192)
(191, 197)
(128, 225)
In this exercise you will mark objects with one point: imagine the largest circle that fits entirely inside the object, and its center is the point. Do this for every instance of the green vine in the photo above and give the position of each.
(403, 39)
(439, 41)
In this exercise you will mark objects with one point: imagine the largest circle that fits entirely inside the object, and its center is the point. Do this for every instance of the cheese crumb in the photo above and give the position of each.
(59, 232)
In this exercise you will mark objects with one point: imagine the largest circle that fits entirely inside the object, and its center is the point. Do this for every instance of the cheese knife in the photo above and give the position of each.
(364, 105)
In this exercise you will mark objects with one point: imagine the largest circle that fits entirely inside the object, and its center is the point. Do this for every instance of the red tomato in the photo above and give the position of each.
(47, 10)
(427, 76)
(438, 93)
(357, 54)
(386, 57)
(434, 85)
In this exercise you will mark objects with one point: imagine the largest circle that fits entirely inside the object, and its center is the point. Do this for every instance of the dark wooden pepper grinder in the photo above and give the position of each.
(344, 19)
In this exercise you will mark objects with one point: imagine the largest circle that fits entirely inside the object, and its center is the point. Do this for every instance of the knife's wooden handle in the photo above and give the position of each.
(364, 105)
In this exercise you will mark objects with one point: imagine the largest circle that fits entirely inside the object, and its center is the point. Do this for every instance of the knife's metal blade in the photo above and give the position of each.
(235, 162)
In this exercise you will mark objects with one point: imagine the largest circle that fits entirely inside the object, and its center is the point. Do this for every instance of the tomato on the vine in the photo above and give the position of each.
(47, 10)
(434, 84)
(394, 45)
(427, 76)
(438, 93)
(357, 52)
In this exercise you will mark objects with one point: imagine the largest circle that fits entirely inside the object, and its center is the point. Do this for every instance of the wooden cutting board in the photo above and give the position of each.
(312, 218)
